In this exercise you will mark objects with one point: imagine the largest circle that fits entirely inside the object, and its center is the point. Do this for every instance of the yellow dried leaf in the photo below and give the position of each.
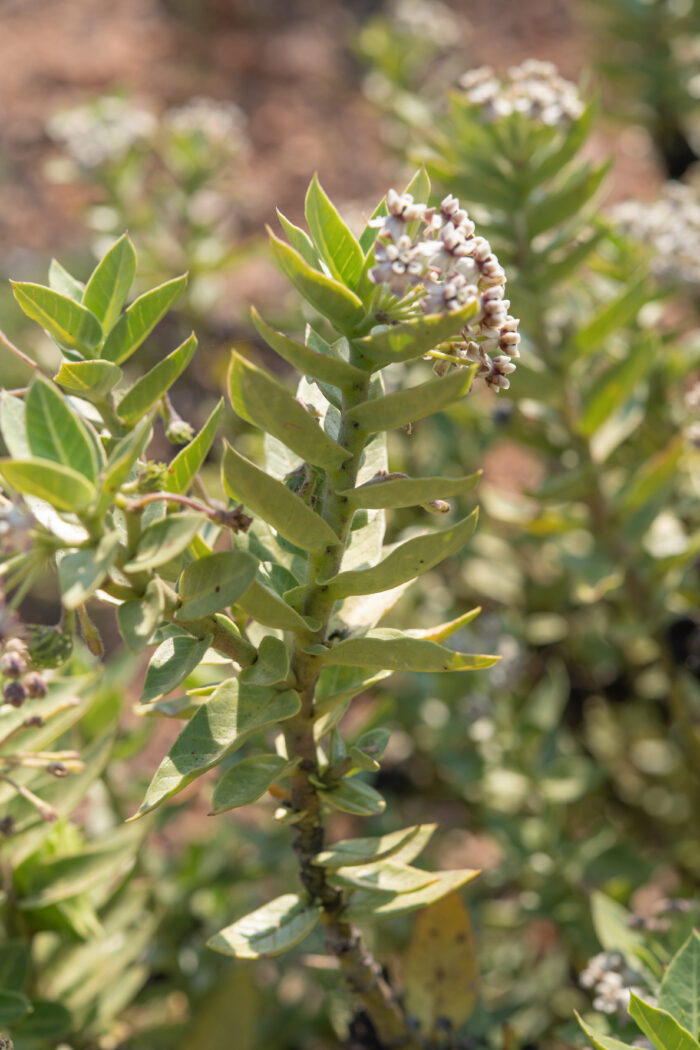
(440, 969)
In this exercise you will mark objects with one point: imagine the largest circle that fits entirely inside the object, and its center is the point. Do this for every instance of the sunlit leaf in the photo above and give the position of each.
(151, 387)
(70, 324)
(139, 320)
(60, 486)
(270, 930)
(109, 284)
(248, 780)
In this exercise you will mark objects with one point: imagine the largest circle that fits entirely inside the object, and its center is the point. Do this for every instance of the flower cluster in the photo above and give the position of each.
(445, 266)
(222, 124)
(102, 131)
(613, 982)
(534, 89)
(670, 227)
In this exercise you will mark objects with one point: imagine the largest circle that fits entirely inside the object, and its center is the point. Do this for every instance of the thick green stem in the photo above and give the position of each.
(362, 973)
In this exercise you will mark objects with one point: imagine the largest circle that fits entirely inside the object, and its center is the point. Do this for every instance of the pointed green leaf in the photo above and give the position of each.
(122, 460)
(406, 406)
(368, 905)
(394, 651)
(333, 300)
(267, 403)
(56, 431)
(337, 245)
(602, 1042)
(612, 389)
(660, 1027)
(48, 1020)
(300, 241)
(415, 338)
(269, 609)
(171, 663)
(80, 574)
(91, 380)
(616, 314)
(212, 583)
(64, 282)
(353, 795)
(271, 930)
(13, 1006)
(70, 324)
(232, 714)
(385, 876)
(139, 320)
(248, 780)
(308, 361)
(274, 503)
(366, 850)
(164, 540)
(151, 387)
(612, 927)
(408, 492)
(374, 743)
(187, 462)
(140, 618)
(272, 664)
(60, 486)
(679, 994)
(109, 285)
(564, 203)
(445, 630)
(406, 561)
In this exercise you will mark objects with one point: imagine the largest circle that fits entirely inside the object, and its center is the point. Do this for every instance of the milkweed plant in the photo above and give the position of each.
(274, 585)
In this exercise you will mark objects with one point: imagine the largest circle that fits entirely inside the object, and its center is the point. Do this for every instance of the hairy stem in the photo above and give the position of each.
(362, 973)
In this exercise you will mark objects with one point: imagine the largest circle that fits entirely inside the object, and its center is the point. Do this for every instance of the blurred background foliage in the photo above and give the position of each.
(568, 774)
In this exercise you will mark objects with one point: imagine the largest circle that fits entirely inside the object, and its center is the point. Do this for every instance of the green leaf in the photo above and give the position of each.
(337, 245)
(342, 307)
(269, 609)
(616, 314)
(366, 850)
(187, 462)
(212, 583)
(274, 503)
(140, 618)
(562, 204)
(70, 324)
(679, 994)
(60, 486)
(14, 964)
(354, 796)
(602, 1042)
(406, 561)
(109, 285)
(48, 1020)
(60, 878)
(91, 380)
(272, 664)
(368, 905)
(408, 492)
(611, 925)
(385, 877)
(406, 406)
(262, 400)
(660, 1027)
(270, 930)
(64, 282)
(374, 743)
(615, 386)
(394, 651)
(248, 780)
(80, 574)
(13, 1006)
(171, 663)
(300, 241)
(308, 361)
(139, 320)
(232, 714)
(122, 460)
(415, 338)
(55, 431)
(12, 423)
(164, 540)
(151, 387)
